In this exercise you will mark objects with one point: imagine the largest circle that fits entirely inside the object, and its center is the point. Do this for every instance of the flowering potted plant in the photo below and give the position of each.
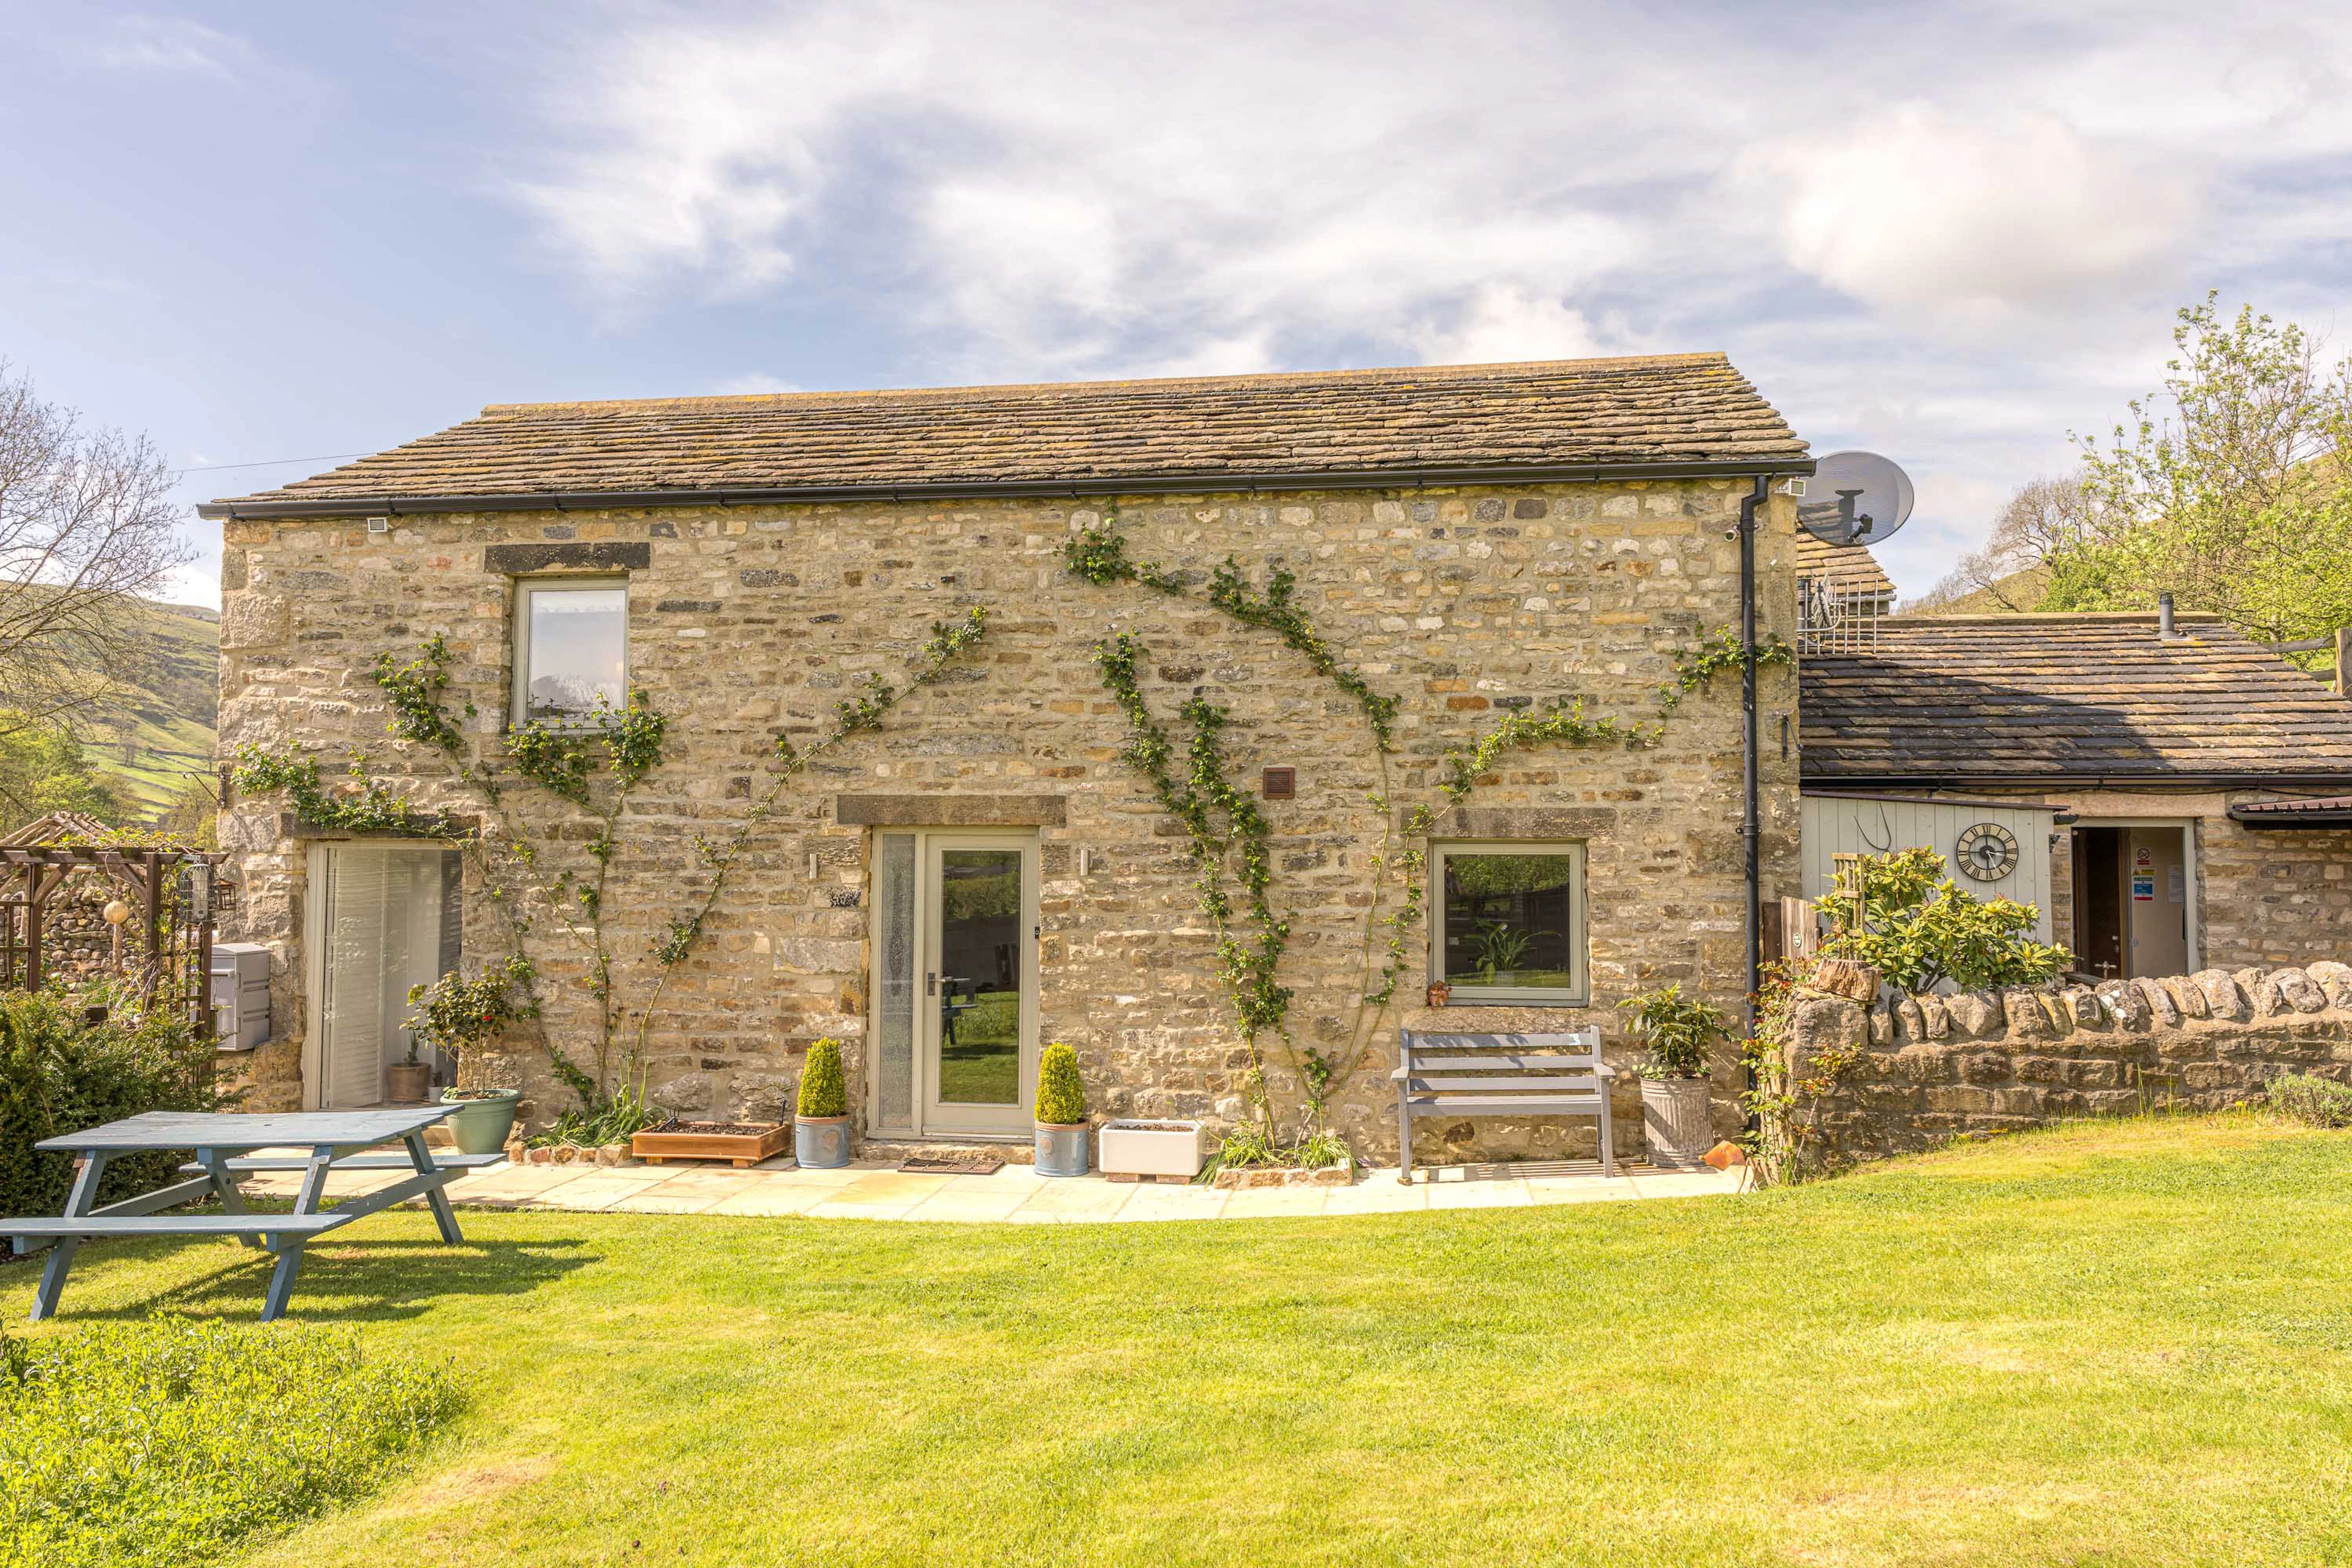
(1061, 1114)
(821, 1122)
(461, 1016)
(1677, 1118)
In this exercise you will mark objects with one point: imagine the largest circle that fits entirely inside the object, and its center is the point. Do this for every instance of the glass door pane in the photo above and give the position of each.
(894, 982)
(385, 933)
(979, 977)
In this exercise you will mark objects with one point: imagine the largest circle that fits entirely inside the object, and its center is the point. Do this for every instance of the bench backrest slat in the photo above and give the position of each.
(1576, 1052)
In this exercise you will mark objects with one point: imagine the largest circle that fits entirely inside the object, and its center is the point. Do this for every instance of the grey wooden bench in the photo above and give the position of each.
(333, 1139)
(1501, 1074)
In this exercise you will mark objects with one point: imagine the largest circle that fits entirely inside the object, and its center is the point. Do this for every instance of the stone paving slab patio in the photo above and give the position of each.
(1016, 1193)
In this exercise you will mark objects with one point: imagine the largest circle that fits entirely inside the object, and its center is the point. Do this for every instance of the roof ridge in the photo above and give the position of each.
(2032, 617)
(1609, 363)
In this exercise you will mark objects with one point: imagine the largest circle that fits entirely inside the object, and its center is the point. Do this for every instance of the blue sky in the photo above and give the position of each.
(1953, 233)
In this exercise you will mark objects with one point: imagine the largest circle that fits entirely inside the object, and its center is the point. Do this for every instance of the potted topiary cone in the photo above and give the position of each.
(1061, 1114)
(1677, 1118)
(821, 1122)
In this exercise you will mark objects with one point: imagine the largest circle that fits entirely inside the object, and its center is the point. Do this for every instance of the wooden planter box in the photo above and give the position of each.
(758, 1142)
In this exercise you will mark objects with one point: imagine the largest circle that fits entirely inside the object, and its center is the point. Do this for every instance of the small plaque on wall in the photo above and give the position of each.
(1278, 783)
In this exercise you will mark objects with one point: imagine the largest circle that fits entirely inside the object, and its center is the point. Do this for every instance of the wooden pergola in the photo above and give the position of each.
(175, 892)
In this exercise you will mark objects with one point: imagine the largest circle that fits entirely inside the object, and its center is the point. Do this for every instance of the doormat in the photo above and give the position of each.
(935, 1165)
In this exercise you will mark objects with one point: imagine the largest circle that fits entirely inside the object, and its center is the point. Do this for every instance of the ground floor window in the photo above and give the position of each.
(1506, 924)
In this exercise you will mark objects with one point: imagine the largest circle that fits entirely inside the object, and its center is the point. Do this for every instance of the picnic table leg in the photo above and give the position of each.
(289, 1247)
(443, 1215)
(224, 1188)
(87, 1169)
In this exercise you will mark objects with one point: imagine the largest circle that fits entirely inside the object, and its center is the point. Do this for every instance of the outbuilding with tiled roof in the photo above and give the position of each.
(2163, 750)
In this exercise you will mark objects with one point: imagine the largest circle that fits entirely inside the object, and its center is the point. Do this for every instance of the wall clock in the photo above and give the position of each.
(1986, 851)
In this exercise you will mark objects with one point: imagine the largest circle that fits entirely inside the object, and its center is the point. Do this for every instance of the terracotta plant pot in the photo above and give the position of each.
(1061, 1149)
(821, 1143)
(482, 1128)
(407, 1083)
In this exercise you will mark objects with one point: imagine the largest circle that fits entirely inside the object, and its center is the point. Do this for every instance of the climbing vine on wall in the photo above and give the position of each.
(1099, 554)
(506, 849)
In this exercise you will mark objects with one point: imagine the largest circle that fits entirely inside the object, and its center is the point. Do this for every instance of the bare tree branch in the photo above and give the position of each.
(87, 527)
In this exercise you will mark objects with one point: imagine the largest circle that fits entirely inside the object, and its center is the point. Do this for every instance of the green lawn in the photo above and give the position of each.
(2119, 1345)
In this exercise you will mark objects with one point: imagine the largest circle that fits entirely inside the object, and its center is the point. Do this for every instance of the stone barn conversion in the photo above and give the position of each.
(1442, 650)
(2172, 795)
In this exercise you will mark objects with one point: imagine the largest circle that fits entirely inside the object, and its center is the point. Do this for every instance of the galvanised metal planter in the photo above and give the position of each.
(821, 1143)
(489, 1115)
(1061, 1149)
(1676, 1122)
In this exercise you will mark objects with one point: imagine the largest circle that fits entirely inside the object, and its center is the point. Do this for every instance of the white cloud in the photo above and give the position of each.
(168, 45)
(1945, 214)
(756, 382)
(1958, 243)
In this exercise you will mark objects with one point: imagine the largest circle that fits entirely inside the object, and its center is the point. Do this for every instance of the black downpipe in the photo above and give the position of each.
(1750, 823)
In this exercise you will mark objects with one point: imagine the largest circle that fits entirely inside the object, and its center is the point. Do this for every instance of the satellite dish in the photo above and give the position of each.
(1854, 498)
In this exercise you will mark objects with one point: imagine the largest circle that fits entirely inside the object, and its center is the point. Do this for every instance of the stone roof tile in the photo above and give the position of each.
(1673, 409)
(1993, 698)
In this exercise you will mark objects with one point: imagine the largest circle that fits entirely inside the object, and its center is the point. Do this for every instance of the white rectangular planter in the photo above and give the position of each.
(1151, 1149)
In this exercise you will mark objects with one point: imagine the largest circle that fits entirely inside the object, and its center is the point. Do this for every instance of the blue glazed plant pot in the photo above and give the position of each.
(1061, 1150)
(489, 1115)
(821, 1143)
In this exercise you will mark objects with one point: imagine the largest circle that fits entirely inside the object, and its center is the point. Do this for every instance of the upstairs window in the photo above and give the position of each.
(572, 649)
(1508, 924)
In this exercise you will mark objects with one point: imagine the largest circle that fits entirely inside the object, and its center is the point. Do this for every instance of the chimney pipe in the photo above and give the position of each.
(2163, 632)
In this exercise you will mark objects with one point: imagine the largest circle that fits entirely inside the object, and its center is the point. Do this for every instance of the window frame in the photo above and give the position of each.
(1579, 993)
(519, 639)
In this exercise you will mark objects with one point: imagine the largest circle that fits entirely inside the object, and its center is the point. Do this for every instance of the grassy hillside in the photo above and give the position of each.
(160, 731)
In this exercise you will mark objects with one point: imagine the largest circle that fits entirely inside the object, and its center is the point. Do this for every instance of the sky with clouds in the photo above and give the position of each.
(1952, 234)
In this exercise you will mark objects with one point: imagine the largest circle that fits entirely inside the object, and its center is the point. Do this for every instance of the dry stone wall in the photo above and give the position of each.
(1930, 1069)
(751, 621)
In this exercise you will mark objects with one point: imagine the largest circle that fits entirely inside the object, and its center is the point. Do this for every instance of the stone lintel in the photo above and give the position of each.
(1523, 822)
(592, 555)
(291, 826)
(949, 810)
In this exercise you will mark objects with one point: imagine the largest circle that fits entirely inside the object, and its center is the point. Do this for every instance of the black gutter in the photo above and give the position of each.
(1165, 484)
(1752, 826)
(2287, 821)
(2068, 782)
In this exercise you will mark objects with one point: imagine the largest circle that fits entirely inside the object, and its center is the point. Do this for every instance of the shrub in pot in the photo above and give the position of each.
(408, 1081)
(461, 1017)
(1680, 1033)
(1061, 1114)
(821, 1118)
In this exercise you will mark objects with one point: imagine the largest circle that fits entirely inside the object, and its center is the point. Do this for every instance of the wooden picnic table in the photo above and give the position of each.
(329, 1141)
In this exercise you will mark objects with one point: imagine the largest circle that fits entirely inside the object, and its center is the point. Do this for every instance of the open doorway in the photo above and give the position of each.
(2134, 911)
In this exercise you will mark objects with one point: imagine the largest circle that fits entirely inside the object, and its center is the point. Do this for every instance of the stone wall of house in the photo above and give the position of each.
(1931, 1068)
(751, 621)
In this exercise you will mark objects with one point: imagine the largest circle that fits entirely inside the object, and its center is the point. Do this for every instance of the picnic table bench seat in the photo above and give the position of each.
(443, 1160)
(179, 1224)
(1501, 1074)
(224, 1146)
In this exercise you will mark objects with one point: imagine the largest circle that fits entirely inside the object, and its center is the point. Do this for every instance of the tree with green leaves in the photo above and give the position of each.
(2231, 488)
(42, 770)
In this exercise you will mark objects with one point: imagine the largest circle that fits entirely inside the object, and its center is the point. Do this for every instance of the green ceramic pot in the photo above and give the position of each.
(489, 1115)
